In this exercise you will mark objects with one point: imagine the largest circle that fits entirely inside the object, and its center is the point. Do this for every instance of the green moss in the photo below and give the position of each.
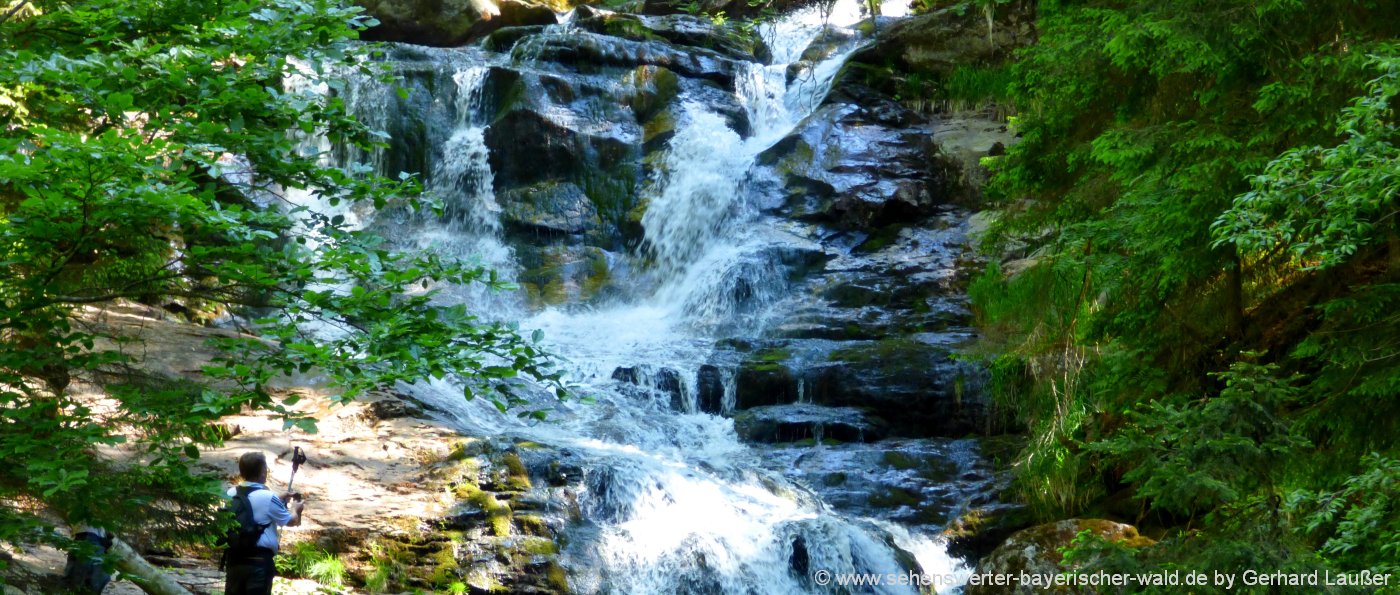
(627, 26)
(813, 442)
(772, 354)
(613, 191)
(893, 497)
(530, 524)
(881, 239)
(889, 350)
(538, 546)
(517, 477)
(635, 215)
(594, 274)
(796, 159)
(558, 578)
(659, 124)
(446, 569)
(768, 360)
(509, 97)
(900, 460)
(498, 514)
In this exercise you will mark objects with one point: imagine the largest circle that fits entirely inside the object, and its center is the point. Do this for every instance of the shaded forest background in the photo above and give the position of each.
(1194, 312)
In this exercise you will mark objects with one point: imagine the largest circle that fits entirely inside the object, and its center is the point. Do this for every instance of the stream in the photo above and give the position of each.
(750, 274)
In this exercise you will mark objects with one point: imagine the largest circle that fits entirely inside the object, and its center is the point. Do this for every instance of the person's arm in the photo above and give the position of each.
(282, 516)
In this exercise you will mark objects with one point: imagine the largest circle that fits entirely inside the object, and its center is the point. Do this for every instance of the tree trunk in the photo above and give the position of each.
(149, 578)
(1234, 296)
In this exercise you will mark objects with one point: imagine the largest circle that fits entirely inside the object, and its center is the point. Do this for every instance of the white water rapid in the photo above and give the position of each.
(672, 501)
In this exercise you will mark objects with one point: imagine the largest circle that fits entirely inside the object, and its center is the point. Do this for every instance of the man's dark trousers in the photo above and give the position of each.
(251, 575)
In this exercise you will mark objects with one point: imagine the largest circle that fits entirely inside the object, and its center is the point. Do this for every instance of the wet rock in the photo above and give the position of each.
(528, 146)
(563, 473)
(503, 39)
(1037, 551)
(800, 561)
(446, 23)
(588, 51)
(650, 89)
(965, 139)
(765, 379)
(391, 408)
(549, 208)
(678, 29)
(938, 42)
(827, 42)
(840, 170)
(731, 8)
(918, 386)
(709, 389)
(664, 380)
(801, 421)
(557, 273)
(466, 517)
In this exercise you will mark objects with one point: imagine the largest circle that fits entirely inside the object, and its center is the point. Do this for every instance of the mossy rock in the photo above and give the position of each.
(882, 238)
(559, 274)
(537, 546)
(557, 578)
(532, 524)
(650, 90)
(1037, 550)
(549, 208)
(935, 467)
(764, 384)
(517, 477)
(657, 132)
(885, 350)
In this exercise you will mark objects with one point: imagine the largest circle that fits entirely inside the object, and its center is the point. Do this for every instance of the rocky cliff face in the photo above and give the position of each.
(842, 330)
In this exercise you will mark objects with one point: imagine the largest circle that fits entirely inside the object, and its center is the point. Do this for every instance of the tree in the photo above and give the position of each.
(145, 151)
(1197, 181)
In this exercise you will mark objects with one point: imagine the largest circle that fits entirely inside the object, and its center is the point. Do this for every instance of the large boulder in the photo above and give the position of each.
(730, 8)
(549, 208)
(1036, 551)
(529, 146)
(585, 50)
(447, 23)
(937, 43)
(860, 165)
(804, 421)
(919, 386)
(560, 273)
(729, 38)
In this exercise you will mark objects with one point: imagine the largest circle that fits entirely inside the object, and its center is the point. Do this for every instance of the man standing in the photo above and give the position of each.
(87, 575)
(251, 573)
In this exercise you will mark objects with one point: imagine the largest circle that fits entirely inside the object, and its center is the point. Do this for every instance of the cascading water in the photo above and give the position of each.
(462, 179)
(673, 500)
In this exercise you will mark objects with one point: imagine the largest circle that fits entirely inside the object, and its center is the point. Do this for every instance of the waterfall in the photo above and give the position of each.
(673, 501)
(470, 226)
(700, 193)
(698, 227)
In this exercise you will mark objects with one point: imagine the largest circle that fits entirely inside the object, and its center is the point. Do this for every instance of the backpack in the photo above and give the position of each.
(242, 541)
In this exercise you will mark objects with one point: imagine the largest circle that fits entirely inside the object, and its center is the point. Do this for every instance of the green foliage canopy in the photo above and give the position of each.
(1204, 197)
(146, 149)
